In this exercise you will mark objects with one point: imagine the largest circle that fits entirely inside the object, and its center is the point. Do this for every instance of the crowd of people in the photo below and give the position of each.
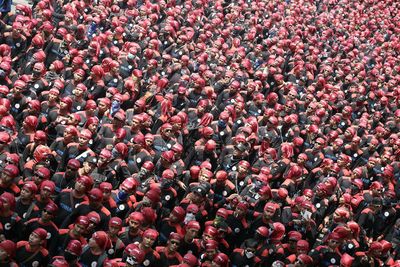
(200, 133)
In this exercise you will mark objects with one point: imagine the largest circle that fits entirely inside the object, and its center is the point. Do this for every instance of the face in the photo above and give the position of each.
(168, 132)
(268, 214)
(148, 242)
(173, 245)
(192, 233)
(26, 194)
(113, 230)
(44, 193)
(88, 167)
(134, 224)
(34, 240)
(83, 141)
(210, 253)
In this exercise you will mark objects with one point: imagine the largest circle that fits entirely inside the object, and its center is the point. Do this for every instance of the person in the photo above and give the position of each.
(33, 251)
(95, 251)
(7, 252)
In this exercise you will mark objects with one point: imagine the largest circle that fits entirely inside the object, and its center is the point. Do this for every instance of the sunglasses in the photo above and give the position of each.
(175, 242)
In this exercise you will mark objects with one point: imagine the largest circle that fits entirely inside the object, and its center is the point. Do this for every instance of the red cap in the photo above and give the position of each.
(43, 173)
(305, 259)
(137, 217)
(9, 198)
(75, 247)
(82, 220)
(129, 184)
(190, 260)
(87, 181)
(179, 212)
(211, 244)
(153, 195)
(51, 208)
(11, 170)
(105, 187)
(41, 233)
(30, 186)
(116, 222)
(151, 233)
(263, 231)
(193, 225)
(95, 195)
(175, 236)
(48, 185)
(101, 239)
(93, 217)
(221, 259)
(73, 164)
(294, 235)
(168, 174)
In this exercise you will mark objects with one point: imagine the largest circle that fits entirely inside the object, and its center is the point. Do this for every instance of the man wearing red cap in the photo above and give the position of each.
(12, 225)
(7, 253)
(66, 179)
(188, 243)
(33, 252)
(94, 253)
(152, 257)
(133, 232)
(25, 206)
(7, 179)
(117, 246)
(169, 254)
(47, 189)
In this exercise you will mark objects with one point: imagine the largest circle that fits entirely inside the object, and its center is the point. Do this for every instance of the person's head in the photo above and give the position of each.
(95, 197)
(114, 225)
(47, 189)
(334, 240)
(7, 250)
(220, 260)
(80, 225)
(73, 251)
(269, 210)
(49, 212)
(135, 220)
(192, 229)
(174, 241)
(38, 237)
(99, 241)
(149, 238)
(211, 247)
(29, 190)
